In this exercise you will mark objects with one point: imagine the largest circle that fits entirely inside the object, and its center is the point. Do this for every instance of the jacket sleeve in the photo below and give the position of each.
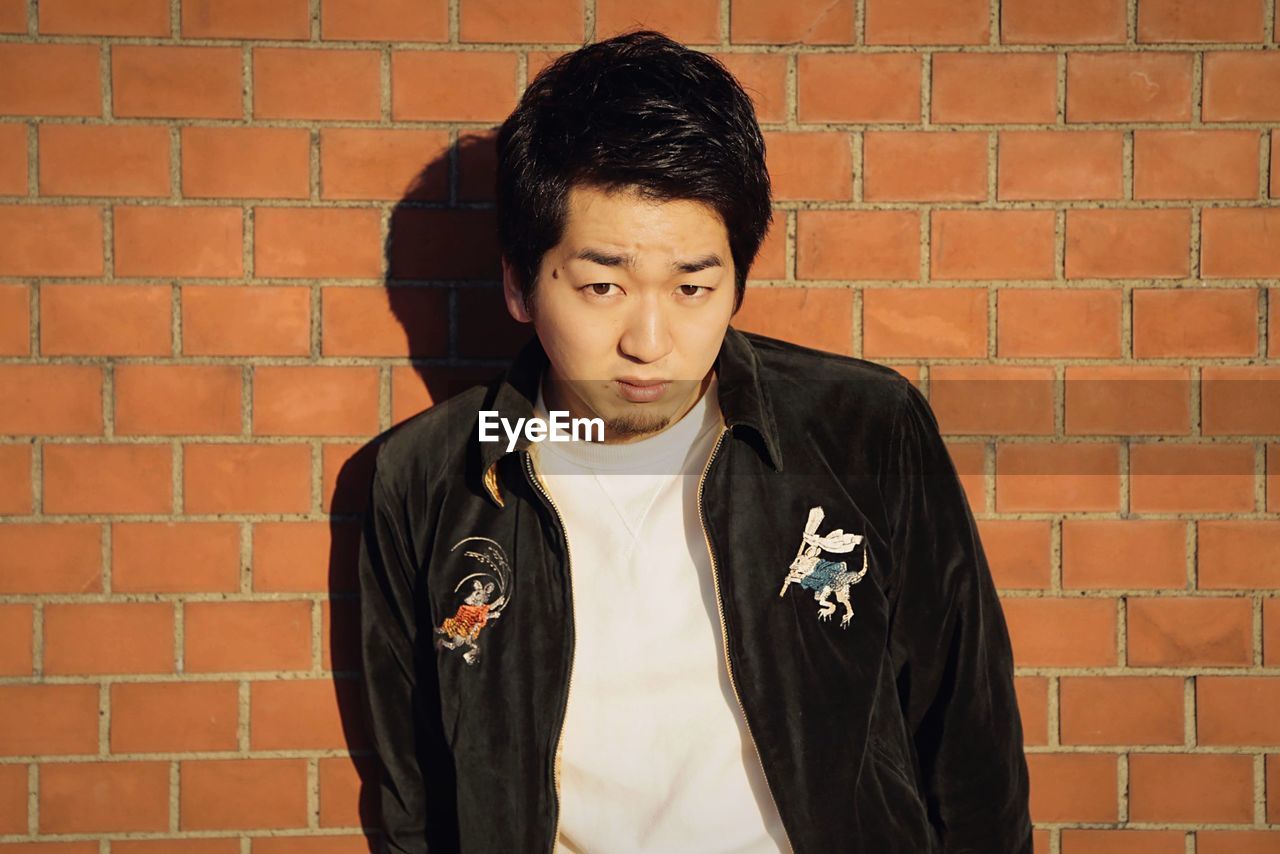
(387, 568)
(950, 647)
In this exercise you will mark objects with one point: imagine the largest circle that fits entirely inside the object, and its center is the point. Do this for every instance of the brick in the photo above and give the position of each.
(1128, 400)
(1128, 244)
(696, 22)
(1190, 788)
(198, 399)
(1273, 478)
(927, 22)
(452, 86)
(13, 159)
(385, 20)
(243, 793)
(1054, 632)
(71, 320)
(104, 17)
(317, 243)
(50, 79)
(924, 166)
(809, 165)
(164, 717)
(818, 317)
(1239, 841)
(394, 321)
(141, 636)
(245, 19)
(297, 400)
(1223, 710)
(1050, 165)
(304, 557)
(1200, 21)
(248, 636)
(803, 22)
(485, 329)
(989, 87)
(1130, 553)
(762, 75)
(51, 558)
(1189, 631)
(246, 478)
(1240, 243)
(16, 633)
(1125, 87)
(548, 21)
(107, 478)
(303, 714)
(176, 82)
(924, 322)
(15, 320)
(1054, 322)
(257, 320)
(175, 557)
(40, 240)
(1018, 552)
(1270, 628)
(341, 465)
(1073, 477)
(162, 241)
(50, 399)
(847, 87)
(415, 389)
(1063, 21)
(88, 797)
(1073, 787)
(246, 162)
(1240, 399)
(16, 497)
(1237, 554)
(342, 793)
(48, 719)
(992, 244)
(392, 165)
(305, 83)
(1122, 710)
(1185, 322)
(104, 160)
(338, 656)
(13, 19)
(1241, 86)
(857, 245)
(993, 399)
(1186, 478)
(1192, 164)
(411, 257)
(1275, 158)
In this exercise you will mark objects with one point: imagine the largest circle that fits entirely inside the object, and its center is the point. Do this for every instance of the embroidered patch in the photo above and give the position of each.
(480, 606)
(825, 577)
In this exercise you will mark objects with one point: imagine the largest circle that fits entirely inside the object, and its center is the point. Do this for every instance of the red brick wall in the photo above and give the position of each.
(1058, 216)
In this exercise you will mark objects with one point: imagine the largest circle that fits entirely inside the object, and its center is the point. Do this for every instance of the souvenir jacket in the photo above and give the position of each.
(885, 726)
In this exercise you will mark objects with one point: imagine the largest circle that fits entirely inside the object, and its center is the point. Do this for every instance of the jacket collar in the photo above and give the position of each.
(743, 402)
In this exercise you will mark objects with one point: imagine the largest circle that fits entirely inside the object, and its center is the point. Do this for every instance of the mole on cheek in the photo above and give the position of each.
(555, 274)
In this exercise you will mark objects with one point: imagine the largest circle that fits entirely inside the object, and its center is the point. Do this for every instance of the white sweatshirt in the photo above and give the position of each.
(655, 755)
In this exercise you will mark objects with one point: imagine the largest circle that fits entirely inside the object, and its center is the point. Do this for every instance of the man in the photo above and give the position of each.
(757, 615)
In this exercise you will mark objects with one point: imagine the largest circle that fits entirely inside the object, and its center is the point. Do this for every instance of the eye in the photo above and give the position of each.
(600, 289)
(697, 289)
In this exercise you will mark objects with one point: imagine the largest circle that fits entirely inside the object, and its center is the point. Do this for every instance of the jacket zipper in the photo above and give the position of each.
(724, 633)
(537, 484)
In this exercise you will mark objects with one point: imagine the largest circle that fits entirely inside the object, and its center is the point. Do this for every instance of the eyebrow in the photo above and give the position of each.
(612, 259)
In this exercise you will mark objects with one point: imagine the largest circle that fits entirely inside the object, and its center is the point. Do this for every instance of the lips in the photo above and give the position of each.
(641, 383)
(642, 391)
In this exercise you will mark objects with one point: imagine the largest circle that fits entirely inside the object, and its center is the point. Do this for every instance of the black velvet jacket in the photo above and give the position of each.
(877, 687)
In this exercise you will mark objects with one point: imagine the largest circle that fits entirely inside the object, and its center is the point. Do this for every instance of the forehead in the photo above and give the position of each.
(623, 220)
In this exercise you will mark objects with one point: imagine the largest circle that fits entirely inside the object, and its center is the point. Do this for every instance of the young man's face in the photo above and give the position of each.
(630, 341)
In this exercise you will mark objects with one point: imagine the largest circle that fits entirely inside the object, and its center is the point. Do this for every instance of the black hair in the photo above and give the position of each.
(637, 112)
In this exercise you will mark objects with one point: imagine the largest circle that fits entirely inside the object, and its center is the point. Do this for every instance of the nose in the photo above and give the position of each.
(646, 336)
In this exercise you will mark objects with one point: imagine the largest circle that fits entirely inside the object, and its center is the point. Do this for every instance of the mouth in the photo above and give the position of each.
(642, 391)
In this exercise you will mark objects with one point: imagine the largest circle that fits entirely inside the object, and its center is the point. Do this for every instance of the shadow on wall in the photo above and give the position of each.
(444, 287)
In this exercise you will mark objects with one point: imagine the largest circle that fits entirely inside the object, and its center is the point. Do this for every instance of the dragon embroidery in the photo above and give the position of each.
(477, 610)
(825, 577)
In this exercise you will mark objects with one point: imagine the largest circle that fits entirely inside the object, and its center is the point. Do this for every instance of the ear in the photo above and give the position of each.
(512, 294)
